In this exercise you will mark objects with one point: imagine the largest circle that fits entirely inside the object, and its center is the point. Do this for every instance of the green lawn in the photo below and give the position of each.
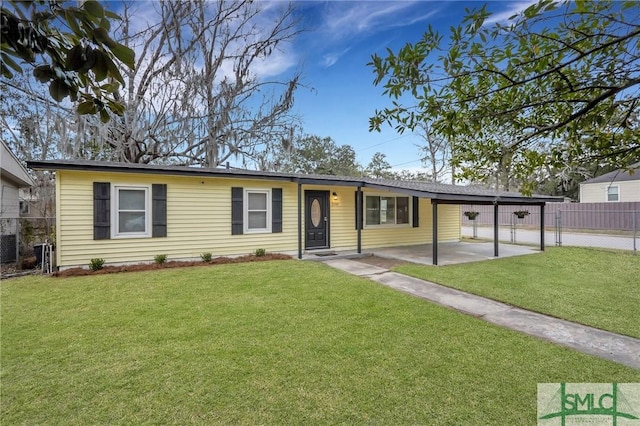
(594, 287)
(264, 343)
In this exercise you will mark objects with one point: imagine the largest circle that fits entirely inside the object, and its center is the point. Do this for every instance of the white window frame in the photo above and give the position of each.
(396, 224)
(606, 193)
(115, 217)
(245, 213)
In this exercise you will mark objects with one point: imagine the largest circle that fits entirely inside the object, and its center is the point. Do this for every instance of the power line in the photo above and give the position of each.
(385, 142)
(407, 162)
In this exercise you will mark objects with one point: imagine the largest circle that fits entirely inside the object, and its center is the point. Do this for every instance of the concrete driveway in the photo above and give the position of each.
(451, 252)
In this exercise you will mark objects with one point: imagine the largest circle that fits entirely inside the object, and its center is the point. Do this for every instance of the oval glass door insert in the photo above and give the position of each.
(315, 213)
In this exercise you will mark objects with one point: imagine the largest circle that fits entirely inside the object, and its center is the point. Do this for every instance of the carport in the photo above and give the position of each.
(452, 194)
(450, 253)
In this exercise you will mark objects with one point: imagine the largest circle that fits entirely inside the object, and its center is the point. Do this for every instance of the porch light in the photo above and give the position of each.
(335, 196)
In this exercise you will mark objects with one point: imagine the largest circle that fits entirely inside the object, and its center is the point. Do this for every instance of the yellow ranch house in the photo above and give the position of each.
(128, 213)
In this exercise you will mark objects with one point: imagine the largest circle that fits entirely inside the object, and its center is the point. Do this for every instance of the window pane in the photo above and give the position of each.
(402, 209)
(388, 210)
(373, 211)
(257, 201)
(131, 222)
(131, 199)
(257, 220)
(316, 213)
(612, 193)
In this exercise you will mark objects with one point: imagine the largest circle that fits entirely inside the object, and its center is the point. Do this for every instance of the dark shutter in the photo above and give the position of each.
(237, 195)
(416, 212)
(159, 210)
(276, 210)
(101, 210)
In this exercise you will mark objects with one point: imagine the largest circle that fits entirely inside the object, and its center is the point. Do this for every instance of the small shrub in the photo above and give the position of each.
(160, 259)
(206, 257)
(260, 252)
(96, 264)
(521, 214)
(29, 263)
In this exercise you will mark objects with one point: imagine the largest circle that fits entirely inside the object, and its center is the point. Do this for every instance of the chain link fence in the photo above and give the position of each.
(604, 225)
(27, 241)
(618, 229)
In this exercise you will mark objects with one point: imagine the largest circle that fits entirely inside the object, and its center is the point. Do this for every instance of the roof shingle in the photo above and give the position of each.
(618, 175)
(435, 191)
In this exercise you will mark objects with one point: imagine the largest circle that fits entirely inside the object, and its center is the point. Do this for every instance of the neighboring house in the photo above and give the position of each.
(616, 186)
(128, 213)
(38, 202)
(28, 201)
(13, 176)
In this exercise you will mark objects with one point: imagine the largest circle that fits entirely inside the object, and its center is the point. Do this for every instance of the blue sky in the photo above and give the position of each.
(341, 36)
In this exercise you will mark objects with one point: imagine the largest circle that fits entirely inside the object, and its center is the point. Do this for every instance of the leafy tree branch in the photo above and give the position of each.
(561, 77)
(69, 48)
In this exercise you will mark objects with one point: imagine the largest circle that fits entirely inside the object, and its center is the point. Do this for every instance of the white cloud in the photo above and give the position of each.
(360, 17)
(512, 9)
(278, 62)
(331, 58)
(346, 19)
(341, 23)
(422, 17)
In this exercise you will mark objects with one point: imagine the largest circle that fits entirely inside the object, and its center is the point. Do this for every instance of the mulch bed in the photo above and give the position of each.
(75, 272)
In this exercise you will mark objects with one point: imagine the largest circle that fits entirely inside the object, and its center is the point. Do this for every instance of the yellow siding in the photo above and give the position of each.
(343, 235)
(199, 220)
(629, 190)
(388, 236)
(342, 221)
(449, 222)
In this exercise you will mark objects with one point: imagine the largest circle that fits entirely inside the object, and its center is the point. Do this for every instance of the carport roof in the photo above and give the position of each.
(443, 193)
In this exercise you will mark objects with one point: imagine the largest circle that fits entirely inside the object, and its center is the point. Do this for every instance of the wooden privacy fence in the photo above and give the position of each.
(587, 216)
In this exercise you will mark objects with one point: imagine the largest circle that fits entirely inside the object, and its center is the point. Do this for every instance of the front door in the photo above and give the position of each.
(316, 219)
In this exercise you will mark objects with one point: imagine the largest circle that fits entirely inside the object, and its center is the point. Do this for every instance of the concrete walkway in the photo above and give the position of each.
(614, 347)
